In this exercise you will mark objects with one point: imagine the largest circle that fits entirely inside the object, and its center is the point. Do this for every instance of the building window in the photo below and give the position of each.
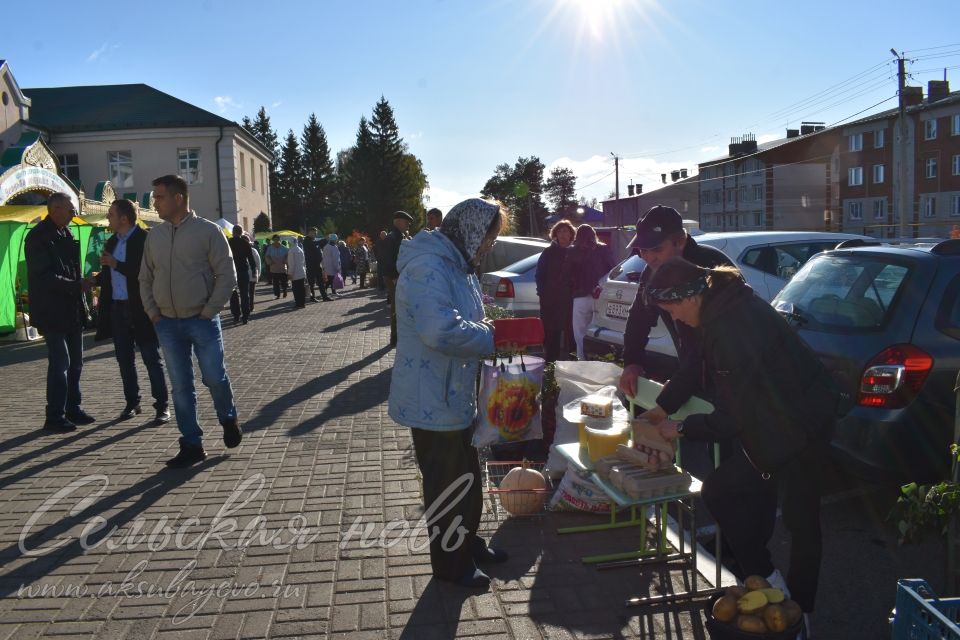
(718, 196)
(685, 205)
(758, 219)
(243, 170)
(757, 193)
(931, 168)
(955, 124)
(877, 173)
(879, 209)
(70, 167)
(120, 169)
(878, 139)
(253, 179)
(261, 180)
(731, 196)
(856, 142)
(930, 129)
(188, 165)
(743, 194)
(956, 206)
(855, 210)
(929, 207)
(956, 165)
(855, 176)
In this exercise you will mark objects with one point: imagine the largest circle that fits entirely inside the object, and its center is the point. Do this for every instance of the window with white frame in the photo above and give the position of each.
(955, 124)
(188, 164)
(757, 193)
(929, 207)
(878, 136)
(956, 206)
(243, 170)
(856, 142)
(877, 173)
(879, 209)
(120, 169)
(956, 165)
(855, 176)
(855, 210)
(931, 168)
(70, 167)
(930, 129)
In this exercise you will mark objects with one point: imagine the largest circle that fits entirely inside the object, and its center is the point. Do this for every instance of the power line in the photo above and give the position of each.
(596, 181)
(943, 46)
(867, 109)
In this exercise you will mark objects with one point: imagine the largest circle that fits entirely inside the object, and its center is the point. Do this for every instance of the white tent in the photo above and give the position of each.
(224, 224)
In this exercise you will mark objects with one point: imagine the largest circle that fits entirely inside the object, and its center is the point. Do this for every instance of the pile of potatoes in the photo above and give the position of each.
(756, 607)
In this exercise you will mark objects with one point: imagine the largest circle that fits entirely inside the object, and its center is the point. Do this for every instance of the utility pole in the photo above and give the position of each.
(616, 166)
(900, 185)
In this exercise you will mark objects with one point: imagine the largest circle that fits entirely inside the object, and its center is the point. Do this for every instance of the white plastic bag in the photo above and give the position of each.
(577, 492)
(576, 379)
(509, 403)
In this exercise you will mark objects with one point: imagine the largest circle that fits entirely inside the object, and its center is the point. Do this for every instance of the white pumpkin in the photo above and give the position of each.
(522, 491)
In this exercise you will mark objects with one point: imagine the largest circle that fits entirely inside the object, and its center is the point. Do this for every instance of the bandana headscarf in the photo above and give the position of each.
(466, 226)
(678, 292)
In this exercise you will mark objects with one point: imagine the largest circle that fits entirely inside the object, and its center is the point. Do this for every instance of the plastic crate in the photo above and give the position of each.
(921, 615)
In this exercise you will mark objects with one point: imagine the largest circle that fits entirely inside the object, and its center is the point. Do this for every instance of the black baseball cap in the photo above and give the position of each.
(655, 227)
(404, 215)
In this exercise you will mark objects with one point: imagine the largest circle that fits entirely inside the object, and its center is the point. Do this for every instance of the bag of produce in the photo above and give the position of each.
(577, 492)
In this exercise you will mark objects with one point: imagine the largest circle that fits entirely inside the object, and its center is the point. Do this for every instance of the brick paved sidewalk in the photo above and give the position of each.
(99, 540)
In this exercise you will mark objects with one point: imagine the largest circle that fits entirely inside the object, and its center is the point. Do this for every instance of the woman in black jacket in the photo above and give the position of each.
(591, 259)
(774, 396)
(553, 289)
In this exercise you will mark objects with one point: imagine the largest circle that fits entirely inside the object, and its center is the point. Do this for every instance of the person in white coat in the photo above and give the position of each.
(331, 264)
(297, 270)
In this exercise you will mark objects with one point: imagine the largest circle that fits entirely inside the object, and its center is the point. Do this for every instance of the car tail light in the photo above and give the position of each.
(597, 290)
(894, 377)
(504, 288)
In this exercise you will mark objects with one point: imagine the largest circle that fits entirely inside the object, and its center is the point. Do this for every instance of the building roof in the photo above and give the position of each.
(118, 106)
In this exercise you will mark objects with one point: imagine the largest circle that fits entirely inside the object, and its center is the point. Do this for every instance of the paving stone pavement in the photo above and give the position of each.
(298, 533)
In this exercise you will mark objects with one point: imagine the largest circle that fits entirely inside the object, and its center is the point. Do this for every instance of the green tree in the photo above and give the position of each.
(319, 178)
(561, 190)
(288, 211)
(520, 187)
(262, 130)
(261, 223)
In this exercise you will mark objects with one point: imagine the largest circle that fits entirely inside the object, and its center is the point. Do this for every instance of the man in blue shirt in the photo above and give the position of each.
(121, 311)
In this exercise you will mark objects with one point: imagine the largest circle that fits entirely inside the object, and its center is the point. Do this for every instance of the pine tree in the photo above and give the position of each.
(561, 189)
(263, 131)
(318, 171)
(291, 185)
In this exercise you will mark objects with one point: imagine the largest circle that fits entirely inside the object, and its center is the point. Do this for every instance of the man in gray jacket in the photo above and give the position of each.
(186, 278)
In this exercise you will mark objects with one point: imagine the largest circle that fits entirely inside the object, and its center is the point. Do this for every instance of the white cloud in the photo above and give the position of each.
(444, 199)
(415, 136)
(768, 137)
(225, 103)
(276, 104)
(102, 52)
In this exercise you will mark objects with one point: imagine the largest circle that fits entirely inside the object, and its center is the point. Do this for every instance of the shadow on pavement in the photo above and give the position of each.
(437, 612)
(357, 398)
(86, 509)
(273, 409)
(377, 318)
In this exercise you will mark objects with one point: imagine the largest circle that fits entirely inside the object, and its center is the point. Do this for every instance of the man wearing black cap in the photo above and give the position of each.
(661, 236)
(391, 249)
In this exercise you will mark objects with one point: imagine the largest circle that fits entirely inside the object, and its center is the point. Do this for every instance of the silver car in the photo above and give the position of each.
(767, 259)
(514, 287)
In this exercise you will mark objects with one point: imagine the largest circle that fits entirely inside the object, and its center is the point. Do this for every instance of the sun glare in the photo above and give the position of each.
(598, 17)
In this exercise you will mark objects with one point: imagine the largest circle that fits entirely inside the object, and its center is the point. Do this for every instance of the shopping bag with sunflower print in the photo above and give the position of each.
(509, 407)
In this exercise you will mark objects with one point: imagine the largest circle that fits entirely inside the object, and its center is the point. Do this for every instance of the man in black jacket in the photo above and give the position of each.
(58, 310)
(121, 315)
(391, 250)
(314, 262)
(245, 266)
(661, 236)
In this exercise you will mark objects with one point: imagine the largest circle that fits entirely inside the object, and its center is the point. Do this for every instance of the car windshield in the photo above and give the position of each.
(522, 266)
(633, 264)
(843, 293)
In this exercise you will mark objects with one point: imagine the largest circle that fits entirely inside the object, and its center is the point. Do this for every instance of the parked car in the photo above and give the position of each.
(514, 287)
(510, 249)
(886, 322)
(767, 260)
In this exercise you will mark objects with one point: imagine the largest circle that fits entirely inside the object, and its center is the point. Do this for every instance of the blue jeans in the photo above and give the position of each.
(180, 339)
(64, 364)
(124, 342)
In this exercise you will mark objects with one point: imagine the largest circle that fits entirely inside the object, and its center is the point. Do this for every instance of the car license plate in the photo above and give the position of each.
(618, 310)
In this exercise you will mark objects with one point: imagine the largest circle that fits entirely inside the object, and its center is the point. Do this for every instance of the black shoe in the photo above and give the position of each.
(59, 426)
(482, 554)
(245, 320)
(232, 435)
(284, 294)
(81, 417)
(474, 578)
(163, 415)
(236, 319)
(276, 297)
(327, 299)
(313, 298)
(188, 456)
(131, 411)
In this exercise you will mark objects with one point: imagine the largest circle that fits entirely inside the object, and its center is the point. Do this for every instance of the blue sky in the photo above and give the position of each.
(477, 83)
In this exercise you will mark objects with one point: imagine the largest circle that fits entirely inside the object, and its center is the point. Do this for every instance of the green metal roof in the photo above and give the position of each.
(118, 106)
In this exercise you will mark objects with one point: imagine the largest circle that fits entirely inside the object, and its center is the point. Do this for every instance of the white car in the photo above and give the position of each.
(767, 259)
(514, 287)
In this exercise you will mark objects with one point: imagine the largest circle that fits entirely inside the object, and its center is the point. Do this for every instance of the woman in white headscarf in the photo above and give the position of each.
(441, 337)
(331, 264)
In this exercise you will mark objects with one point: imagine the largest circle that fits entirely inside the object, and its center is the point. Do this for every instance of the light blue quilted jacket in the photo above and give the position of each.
(440, 336)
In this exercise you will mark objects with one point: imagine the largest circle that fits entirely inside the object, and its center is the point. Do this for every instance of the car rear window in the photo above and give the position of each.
(844, 293)
(522, 266)
(633, 264)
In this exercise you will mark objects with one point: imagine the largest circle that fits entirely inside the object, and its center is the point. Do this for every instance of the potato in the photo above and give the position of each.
(792, 612)
(775, 618)
(752, 583)
(725, 609)
(735, 591)
(752, 602)
(753, 624)
(774, 596)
